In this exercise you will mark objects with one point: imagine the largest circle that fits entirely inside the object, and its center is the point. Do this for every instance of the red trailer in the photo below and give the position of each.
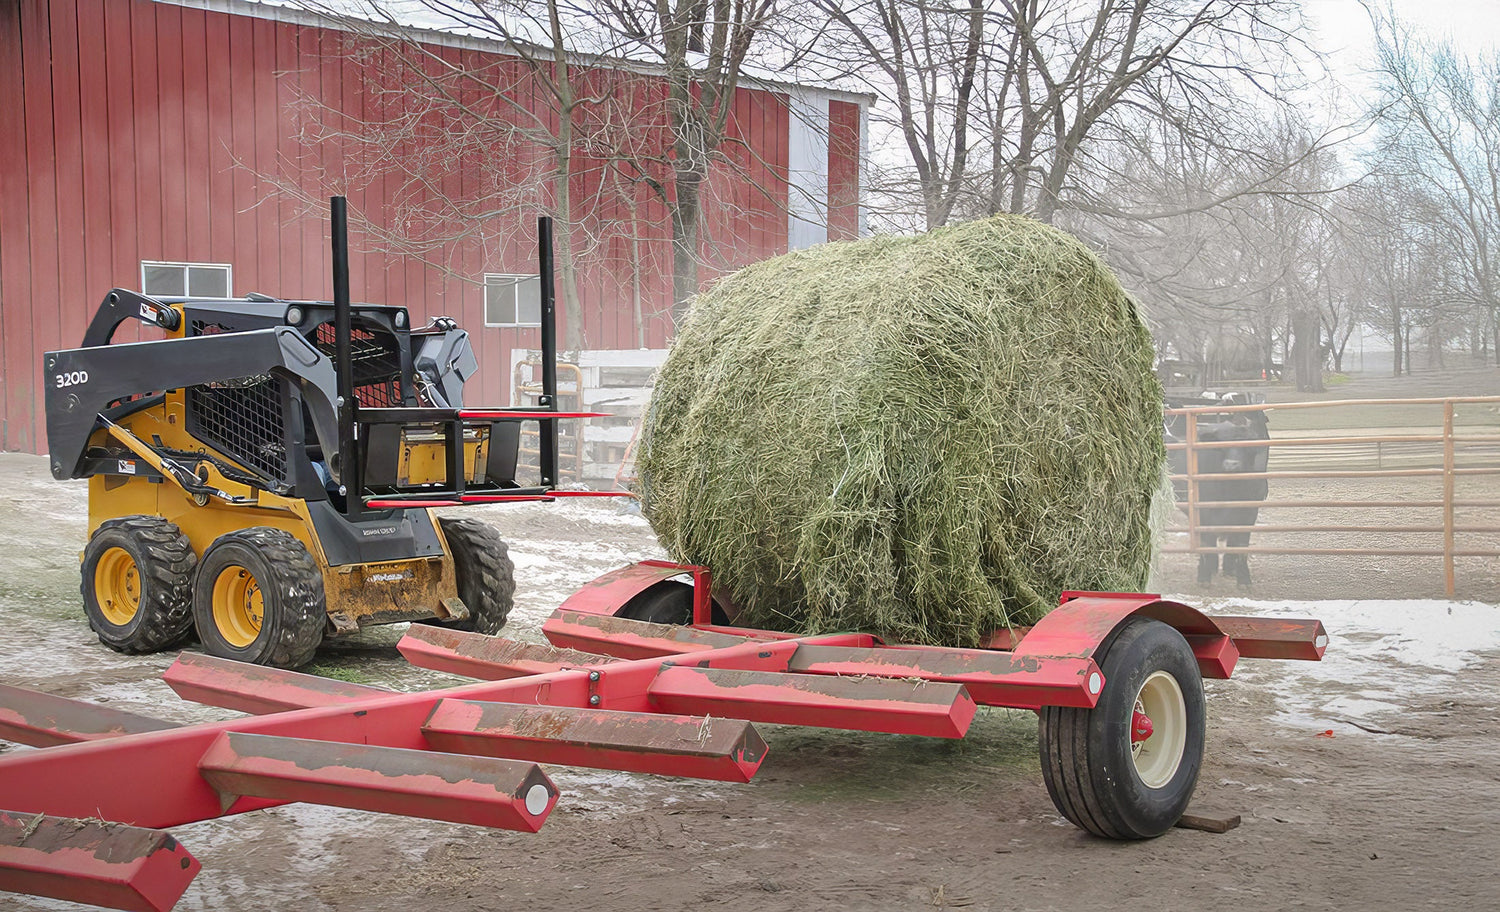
(1115, 678)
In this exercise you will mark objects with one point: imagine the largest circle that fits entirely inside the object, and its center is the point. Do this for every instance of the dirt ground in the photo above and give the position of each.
(1369, 782)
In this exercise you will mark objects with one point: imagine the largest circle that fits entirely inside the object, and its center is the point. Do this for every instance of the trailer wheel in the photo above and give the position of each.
(668, 602)
(259, 598)
(1126, 769)
(137, 584)
(486, 576)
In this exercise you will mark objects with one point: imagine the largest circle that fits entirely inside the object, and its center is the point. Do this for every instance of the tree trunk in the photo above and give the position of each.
(1395, 342)
(685, 214)
(1307, 352)
(567, 264)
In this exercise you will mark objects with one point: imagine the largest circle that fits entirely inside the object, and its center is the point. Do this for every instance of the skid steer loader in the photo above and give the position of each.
(265, 474)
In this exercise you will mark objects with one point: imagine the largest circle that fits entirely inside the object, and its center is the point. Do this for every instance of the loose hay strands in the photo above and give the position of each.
(924, 437)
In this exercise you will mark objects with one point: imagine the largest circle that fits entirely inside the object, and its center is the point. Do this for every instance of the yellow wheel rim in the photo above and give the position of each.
(117, 586)
(238, 606)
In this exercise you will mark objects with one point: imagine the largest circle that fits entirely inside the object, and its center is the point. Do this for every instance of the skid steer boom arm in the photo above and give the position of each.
(84, 384)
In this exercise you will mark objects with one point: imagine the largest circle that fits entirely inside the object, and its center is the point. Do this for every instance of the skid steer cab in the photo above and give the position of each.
(265, 475)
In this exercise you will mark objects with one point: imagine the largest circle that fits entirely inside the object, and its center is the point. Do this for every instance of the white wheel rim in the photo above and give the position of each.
(1158, 757)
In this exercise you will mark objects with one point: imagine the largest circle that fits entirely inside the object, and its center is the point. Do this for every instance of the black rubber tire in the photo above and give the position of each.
(291, 586)
(1086, 753)
(486, 576)
(164, 563)
(668, 602)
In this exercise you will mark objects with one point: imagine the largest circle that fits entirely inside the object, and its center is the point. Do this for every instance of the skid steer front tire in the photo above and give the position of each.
(486, 576)
(138, 584)
(259, 598)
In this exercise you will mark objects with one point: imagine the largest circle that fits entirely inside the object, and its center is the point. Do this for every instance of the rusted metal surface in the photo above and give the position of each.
(991, 678)
(485, 657)
(506, 794)
(610, 592)
(44, 720)
(907, 707)
(1085, 620)
(1276, 638)
(384, 593)
(92, 861)
(628, 639)
(729, 750)
(680, 707)
(257, 689)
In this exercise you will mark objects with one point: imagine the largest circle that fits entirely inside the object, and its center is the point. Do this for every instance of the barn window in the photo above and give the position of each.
(195, 280)
(512, 300)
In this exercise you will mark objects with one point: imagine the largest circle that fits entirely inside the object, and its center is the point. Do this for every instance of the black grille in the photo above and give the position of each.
(377, 364)
(241, 419)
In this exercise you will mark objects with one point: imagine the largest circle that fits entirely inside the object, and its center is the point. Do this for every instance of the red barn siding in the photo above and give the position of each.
(843, 170)
(143, 130)
(16, 350)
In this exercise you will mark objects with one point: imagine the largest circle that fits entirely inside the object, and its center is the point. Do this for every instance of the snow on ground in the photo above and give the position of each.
(1379, 652)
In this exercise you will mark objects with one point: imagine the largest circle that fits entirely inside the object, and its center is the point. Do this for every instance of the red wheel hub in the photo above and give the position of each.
(1140, 727)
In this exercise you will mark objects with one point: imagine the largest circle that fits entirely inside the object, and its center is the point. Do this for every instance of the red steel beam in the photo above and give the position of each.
(1276, 638)
(506, 794)
(43, 720)
(485, 657)
(728, 750)
(1216, 654)
(992, 678)
(90, 861)
(165, 792)
(628, 639)
(861, 704)
(523, 414)
(257, 689)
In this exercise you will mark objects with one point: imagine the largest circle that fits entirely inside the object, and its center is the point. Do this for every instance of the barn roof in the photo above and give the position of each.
(434, 28)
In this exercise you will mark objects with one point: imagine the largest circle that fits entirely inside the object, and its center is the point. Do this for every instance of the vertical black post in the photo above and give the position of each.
(548, 432)
(343, 331)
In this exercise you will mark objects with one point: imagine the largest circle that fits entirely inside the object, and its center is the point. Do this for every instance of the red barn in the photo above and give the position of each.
(149, 144)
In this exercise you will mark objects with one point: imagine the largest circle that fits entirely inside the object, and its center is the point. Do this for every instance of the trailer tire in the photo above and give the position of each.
(1099, 779)
(259, 598)
(668, 602)
(138, 584)
(486, 575)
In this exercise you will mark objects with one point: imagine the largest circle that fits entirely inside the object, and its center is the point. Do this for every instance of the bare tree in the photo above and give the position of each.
(611, 99)
(1442, 129)
(929, 53)
(1014, 105)
(702, 46)
(518, 131)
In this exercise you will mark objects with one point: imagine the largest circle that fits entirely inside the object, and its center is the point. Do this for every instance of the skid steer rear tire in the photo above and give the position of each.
(1097, 777)
(259, 598)
(486, 576)
(138, 584)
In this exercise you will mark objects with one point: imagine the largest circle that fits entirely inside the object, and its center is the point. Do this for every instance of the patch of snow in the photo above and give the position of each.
(1380, 652)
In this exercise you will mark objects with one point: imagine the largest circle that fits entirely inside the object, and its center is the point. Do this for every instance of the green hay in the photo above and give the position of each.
(923, 437)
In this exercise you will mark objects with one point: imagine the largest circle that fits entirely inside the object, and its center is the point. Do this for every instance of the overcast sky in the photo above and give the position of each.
(1344, 29)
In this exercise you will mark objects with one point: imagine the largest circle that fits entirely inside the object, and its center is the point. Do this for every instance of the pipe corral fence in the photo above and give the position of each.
(1431, 481)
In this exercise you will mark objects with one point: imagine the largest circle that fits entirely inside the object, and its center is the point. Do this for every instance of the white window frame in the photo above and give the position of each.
(185, 266)
(515, 282)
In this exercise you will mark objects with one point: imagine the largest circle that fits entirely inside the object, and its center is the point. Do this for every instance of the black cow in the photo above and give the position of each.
(1227, 461)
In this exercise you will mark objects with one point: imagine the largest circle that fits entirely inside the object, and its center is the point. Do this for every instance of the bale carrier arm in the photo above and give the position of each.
(611, 691)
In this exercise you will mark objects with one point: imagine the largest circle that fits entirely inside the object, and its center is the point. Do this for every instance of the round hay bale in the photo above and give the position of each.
(923, 437)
